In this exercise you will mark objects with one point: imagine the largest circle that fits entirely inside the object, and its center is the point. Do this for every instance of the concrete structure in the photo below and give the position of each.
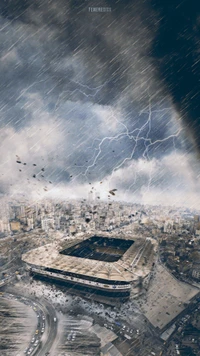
(110, 350)
(166, 298)
(114, 279)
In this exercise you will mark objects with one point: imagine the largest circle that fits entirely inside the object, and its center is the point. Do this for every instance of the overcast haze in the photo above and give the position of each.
(81, 102)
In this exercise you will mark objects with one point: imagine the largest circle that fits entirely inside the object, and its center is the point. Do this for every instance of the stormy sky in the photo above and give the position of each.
(99, 98)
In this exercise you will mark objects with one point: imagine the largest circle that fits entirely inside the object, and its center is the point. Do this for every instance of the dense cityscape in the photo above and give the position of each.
(168, 314)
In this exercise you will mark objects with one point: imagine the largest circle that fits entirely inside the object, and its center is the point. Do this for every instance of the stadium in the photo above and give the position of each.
(102, 265)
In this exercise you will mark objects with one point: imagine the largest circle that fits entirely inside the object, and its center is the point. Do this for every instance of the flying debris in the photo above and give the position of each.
(45, 189)
(50, 182)
(101, 182)
(71, 176)
(20, 170)
(18, 161)
(24, 164)
(98, 197)
(34, 164)
(42, 175)
(112, 191)
(42, 169)
(34, 176)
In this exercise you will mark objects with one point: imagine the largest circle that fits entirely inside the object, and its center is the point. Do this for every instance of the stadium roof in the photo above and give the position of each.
(124, 269)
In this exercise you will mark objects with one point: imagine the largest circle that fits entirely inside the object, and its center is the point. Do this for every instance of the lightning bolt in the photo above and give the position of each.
(136, 135)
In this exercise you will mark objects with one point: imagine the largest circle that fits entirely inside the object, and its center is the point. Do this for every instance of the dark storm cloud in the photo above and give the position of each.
(54, 48)
(45, 35)
(79, 93)
(176, 49)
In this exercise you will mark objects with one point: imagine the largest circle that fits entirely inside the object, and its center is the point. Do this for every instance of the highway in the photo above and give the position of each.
(6, 280)
(52, 323)
(45, 333)
(10, 276)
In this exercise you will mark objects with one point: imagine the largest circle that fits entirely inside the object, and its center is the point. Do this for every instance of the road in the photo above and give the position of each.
(140, 252)
(6, 280)
(46, 330)
(51, 319)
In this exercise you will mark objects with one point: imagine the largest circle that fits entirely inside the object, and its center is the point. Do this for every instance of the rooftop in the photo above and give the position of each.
(135, 262)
